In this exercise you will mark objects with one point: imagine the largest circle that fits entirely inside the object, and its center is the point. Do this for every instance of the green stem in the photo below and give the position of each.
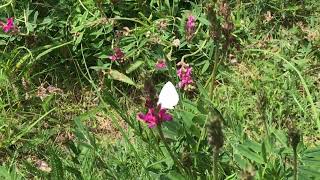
(264, 119)
(85, 8)
(265, 125)
(156, 148)
(194, 53)
(5, 5)
(215, 164)
(214, 71)
(295, 164)
(174, 158)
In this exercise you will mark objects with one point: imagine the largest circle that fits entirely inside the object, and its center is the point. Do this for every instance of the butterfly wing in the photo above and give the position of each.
(168, 97)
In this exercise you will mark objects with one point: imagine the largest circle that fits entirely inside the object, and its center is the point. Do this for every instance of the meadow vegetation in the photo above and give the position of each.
(80, 81)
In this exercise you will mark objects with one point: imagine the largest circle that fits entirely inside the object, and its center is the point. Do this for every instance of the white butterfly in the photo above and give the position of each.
(168, 97)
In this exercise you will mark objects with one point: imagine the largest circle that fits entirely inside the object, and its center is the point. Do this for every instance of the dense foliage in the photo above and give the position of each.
(80, 83)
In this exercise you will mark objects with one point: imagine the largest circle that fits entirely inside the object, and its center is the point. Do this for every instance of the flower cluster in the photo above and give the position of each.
(154, 117)
(118, 55)
(8, 26)
(176, 43)
(161, 64)
(191, 23)
(184, 74)
(155, 114)
(190, 27)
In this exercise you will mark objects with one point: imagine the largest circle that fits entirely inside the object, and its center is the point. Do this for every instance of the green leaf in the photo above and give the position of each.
(203, 92)
(51, 49)
(4, 36)
(307, 171)
(175, 175)
(2, 42)
(5, 173)
(246, 152)
(172, 129)
(35, 17)
(116, 75)
(79, 39)
(205, 67)
(264, 152)
(104, 56)
(204, 21)
(102, 67)
(187, 118)
(200, 119)
(190, 106)
(75, 172)
(242, 163)
(281, 136)
(23, 60)
(167, 158)
(134, 66)
(57, 170)
(29, 27)
(256, 147)
(314, 152)
(312, 162)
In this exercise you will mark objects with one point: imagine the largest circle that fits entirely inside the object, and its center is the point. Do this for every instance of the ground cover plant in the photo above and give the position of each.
(122, 89)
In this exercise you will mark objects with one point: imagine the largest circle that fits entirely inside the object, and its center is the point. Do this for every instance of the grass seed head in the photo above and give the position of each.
(215, 134)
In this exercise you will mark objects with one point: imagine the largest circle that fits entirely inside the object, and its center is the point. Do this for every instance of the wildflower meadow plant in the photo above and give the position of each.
(176, 42)
(155, 116)
(184, 74)
(118, 55)
(161, 64)
(71, 84)
(157, 113)
(190, 27)
(7, 26)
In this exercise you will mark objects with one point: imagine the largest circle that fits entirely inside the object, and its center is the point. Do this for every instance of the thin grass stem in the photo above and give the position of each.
(174, 158)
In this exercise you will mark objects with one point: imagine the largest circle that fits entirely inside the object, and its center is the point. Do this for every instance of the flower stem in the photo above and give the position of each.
(215, 164)
(214, 71)
(7, 4)
(265, 125)
(295, 164)
(195, 52)
(174, 158)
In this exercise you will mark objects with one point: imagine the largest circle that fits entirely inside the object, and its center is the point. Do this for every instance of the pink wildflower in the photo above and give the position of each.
(191, 23)
(161, 64)
(118, 54)
(190, 27)
(153, 118)
(7, 27)
(184, 74)
(156, 114)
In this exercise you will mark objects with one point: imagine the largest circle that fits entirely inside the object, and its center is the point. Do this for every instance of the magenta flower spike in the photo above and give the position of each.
(8, 26)
(153, 118)
(190, 27)
(184, 73)
(191, 23)
(118, 54)
(157, 112)
(161, 64)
